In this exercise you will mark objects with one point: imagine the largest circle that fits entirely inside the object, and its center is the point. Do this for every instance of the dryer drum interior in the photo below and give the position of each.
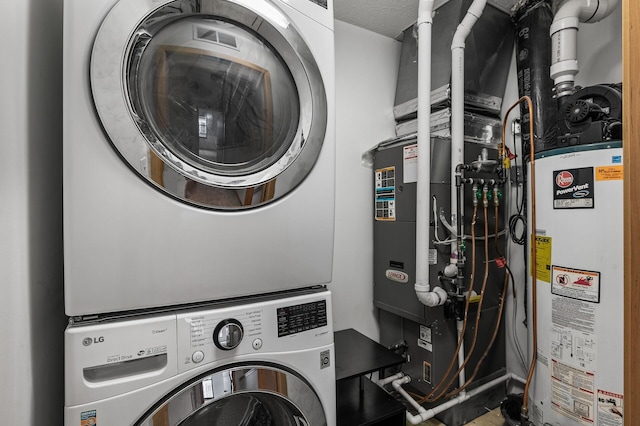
(211, 102)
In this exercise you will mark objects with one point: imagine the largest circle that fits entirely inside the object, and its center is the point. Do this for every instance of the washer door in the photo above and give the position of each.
(218, 103)
(240, 396)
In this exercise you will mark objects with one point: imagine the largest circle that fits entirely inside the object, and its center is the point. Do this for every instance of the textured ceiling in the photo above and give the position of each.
(389, 17)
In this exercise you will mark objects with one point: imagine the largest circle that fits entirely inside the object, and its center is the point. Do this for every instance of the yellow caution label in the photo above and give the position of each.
(609, 172)
(543, 258)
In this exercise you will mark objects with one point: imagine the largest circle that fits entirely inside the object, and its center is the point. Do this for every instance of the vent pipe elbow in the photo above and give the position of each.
(464, 28)
(430, 298)
(564, 39)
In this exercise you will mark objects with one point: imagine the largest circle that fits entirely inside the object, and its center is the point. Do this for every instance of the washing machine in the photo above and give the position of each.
(266, 360)
(198, 150)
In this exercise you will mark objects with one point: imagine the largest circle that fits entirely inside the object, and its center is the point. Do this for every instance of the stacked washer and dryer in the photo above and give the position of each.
(199, 212)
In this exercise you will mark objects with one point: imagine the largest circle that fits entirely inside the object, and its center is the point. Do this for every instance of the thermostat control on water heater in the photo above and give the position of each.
(592, 114)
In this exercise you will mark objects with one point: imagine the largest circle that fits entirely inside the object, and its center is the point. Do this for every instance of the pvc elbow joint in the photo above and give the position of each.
(429, 298)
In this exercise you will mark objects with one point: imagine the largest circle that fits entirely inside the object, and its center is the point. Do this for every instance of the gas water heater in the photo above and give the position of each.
(579, 265)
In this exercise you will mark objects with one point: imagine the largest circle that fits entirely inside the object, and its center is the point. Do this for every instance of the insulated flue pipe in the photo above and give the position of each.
(564, 39)
(426, 295)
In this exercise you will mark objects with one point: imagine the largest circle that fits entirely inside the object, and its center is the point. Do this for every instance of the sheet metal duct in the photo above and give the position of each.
(489, 48)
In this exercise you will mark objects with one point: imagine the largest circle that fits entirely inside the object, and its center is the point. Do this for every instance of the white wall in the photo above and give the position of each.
(31, 313)
(366, 72)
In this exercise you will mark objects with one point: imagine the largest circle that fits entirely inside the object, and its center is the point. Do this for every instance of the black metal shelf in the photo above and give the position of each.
(359, 401)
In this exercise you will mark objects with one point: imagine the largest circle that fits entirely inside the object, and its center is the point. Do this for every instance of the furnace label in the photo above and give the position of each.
(573, 188)
(385, 195)
(410, 163)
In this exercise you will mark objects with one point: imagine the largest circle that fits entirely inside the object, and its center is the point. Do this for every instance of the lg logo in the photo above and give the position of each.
(88, 341)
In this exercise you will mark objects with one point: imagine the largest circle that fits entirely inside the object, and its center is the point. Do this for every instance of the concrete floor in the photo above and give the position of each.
(492, 418)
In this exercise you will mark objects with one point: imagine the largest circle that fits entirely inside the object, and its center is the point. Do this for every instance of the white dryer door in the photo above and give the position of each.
(241, 395)
(218, 103)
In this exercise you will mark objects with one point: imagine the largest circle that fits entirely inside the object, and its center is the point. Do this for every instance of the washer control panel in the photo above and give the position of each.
(298, 318)
(249, 330)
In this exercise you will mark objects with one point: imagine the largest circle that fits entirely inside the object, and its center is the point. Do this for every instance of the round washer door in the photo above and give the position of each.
(242, 395)
(218, 103)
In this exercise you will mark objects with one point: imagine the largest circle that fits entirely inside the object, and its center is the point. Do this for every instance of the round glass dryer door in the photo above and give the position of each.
(214, 102)
(251, 395)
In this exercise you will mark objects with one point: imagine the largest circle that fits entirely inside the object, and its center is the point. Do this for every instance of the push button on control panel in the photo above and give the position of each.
(257, 344)
(197, 356)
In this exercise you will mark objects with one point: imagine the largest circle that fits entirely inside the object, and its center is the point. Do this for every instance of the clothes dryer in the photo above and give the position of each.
(198, 150)
(258, 361)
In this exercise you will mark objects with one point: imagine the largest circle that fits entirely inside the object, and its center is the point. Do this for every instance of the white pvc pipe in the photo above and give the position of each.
(424, 414)
(564, 36)
(457, 102)
(423, 197)
(387, 380)
(457, 130)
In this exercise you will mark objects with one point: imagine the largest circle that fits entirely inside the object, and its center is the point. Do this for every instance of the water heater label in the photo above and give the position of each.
(543, 258)
(576, 283)
(610, 408)
(572, 392)
(573, 188)
(609, 173)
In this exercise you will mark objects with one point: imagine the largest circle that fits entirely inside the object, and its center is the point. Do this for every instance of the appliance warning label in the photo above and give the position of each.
(576, 283)
(88, 418)
(610, 408)
(386, 193)
(573, 188)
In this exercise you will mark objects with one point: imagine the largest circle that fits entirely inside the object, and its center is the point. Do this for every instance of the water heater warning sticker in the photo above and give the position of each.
(576, 283)
(610, 408)
(543, 258)
(609, 173)
(573, 188)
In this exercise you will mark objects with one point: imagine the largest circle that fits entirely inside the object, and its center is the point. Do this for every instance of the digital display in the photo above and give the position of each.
(298, 318)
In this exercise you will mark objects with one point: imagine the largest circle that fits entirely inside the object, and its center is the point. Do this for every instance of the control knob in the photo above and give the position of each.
(228, 334)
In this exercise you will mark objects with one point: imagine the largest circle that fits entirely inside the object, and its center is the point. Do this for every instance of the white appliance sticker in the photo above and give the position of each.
(610, 408)
(573, 338)
(410, 163)
(572, 392)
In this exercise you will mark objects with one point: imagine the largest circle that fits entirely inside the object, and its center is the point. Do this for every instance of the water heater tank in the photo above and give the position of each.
(579, 248)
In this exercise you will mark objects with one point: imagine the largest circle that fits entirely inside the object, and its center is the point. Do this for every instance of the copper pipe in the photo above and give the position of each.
(482, 294)
(427, 397)
(534, 275)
